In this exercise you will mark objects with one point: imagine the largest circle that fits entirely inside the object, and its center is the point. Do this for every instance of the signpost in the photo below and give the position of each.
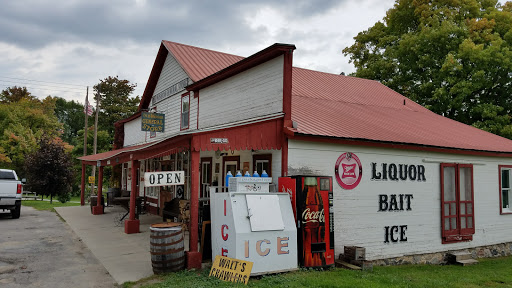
(92, 179)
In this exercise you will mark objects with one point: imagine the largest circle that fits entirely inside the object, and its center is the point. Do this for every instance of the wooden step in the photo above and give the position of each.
(462, 256)
(467, 262)
(343, 264)
(458, 256)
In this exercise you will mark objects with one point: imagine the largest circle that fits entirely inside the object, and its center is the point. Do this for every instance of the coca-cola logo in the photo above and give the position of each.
(351, 172)
(309, 216)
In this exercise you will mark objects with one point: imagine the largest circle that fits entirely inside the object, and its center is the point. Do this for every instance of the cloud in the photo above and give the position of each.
(82, 41)
(79, 63)
(33, 24)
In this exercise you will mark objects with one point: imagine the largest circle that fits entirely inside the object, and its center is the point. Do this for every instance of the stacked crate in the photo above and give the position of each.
(354, 258)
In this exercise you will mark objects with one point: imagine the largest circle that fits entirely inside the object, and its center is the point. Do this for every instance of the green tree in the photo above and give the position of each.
(453, 57)
(49, 170)
(103, 145)
(22, 123)
(71, 115)
(115, 102)
(15, 94)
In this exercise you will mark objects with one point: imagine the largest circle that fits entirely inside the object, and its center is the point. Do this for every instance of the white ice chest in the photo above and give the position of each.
(255, 226)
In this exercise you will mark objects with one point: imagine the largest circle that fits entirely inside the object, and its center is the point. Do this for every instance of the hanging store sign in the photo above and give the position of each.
(219, 140)
(152, 122)
(164, 178)
(171, 90)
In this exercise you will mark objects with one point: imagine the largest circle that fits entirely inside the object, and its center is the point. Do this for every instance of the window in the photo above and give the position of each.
(7, 175)
(230, 163)
(185, 111)
(457, 206)
(262, 162)
(505, 190)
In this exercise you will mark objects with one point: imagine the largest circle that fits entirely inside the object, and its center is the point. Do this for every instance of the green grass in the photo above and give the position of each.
(46, 205)
(494, 272)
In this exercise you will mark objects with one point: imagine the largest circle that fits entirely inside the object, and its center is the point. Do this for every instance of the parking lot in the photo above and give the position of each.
(40, 250)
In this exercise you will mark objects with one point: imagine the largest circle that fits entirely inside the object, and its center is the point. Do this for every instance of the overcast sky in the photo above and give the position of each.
(81, 41)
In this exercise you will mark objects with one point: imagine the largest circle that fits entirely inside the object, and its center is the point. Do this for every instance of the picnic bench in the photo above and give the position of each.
(28, 195)
(121, 198)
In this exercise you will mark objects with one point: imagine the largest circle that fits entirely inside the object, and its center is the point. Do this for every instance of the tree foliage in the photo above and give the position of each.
(452, 56)
(49, 170)
(22, 124)
(115, 102)
(71, 115)
(103, 144)
(15, 94)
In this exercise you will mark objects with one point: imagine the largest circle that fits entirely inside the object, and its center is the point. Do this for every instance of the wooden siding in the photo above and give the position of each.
(133, 134)
(171, 74)
(253, 93)
(171, 107)
(358, 221)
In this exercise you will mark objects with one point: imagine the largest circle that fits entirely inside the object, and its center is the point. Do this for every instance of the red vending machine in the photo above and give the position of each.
(312, 200)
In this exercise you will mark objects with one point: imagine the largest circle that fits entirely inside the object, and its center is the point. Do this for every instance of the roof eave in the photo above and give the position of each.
(399, 145)
(153, 77)
(130, 118)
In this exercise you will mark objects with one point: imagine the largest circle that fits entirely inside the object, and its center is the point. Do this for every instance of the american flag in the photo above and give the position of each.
(88, 108)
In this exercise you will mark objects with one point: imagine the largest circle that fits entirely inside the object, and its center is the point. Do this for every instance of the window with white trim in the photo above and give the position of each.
(505, 189)
(457, 204)
(262, 162)
(185, 111)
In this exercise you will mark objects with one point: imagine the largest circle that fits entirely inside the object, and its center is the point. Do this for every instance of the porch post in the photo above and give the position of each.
(132, 225)
(82, 186)
(98, 209)
(284, 157)
(194, 258)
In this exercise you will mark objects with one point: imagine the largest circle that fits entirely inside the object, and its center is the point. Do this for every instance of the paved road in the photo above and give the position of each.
(40, 250)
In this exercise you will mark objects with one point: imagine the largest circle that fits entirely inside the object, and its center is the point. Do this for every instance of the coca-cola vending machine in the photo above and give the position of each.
(312, 200)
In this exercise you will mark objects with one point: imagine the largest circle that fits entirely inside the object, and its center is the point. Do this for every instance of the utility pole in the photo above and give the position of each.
(86, 118)
(96, 134)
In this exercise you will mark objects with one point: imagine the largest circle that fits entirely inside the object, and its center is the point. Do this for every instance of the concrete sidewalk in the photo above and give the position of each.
(125, 256)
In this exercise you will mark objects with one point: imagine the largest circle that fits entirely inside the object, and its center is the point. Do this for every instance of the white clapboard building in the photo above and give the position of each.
(426, 184)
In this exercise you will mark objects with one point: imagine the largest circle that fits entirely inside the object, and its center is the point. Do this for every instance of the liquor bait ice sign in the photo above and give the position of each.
(152, 122)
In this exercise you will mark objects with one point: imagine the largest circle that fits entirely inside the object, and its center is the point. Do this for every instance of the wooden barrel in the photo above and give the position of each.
(167, 248)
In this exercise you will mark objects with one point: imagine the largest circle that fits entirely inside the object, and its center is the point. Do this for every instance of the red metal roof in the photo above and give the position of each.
(199, 63)
(347, 107)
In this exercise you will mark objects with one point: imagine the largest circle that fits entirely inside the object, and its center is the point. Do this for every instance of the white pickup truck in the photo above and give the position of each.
(11, 190)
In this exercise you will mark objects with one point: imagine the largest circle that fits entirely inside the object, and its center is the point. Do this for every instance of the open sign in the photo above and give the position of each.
(164, 178)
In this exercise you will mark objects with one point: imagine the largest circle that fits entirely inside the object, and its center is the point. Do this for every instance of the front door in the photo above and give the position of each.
(206, 176)
(230, 163)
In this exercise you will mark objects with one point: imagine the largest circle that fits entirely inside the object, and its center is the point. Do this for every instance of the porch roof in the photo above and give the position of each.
(112, 154)
(261, 134)
(143, 151)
